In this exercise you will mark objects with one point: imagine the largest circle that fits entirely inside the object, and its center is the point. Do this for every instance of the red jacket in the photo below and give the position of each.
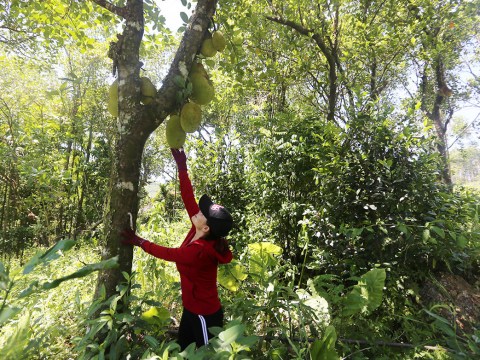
(196, 261)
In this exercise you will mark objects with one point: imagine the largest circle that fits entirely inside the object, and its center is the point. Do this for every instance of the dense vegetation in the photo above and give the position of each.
(357, 232)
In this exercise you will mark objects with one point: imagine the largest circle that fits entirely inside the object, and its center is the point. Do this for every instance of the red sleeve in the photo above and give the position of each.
(188, 197)
(182, 255)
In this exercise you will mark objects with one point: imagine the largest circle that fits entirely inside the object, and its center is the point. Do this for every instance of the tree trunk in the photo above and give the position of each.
(439, 121)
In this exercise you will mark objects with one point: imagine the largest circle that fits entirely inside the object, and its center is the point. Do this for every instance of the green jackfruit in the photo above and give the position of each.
(175, 134)
(148, 90)
(218, 41)
(198, 68)
(207, 48)
(112, 106)
(190, 117)
(202, 91)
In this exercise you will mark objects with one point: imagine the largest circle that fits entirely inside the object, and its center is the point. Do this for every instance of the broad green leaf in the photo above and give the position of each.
(231, 334)
(4, 279)
(152, 342)
(266, 247)
(230, 276)
(325, 349)
(86, 270)
(156, 315)
(462, 241)
(426, 235)
(8, 312)
(316, 303)
(439, 231)
(366, 296)
(374, 281)
(49, 255)
(403, 228)
(184, 17)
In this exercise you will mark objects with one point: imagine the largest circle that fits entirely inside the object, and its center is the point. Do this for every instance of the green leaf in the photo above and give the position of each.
(4, 279)
(229, 335)
(179, 81)
(325, 349)
(462, 241)
(439, 231)
(184, 17)
(103, 265)
(403, 228)
(265, 247)
(375, 281)
(8, 312)
(49, 255)
(152, 342)
(230, 276)
(367, 295)
(426, 235)
(156, 315)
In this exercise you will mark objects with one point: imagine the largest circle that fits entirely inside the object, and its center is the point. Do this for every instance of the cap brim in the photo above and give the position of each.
(204, 205)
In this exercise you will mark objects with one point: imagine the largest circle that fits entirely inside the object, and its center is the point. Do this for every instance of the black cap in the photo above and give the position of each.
(219, 219)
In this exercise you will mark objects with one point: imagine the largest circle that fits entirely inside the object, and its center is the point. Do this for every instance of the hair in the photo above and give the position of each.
(221, 244)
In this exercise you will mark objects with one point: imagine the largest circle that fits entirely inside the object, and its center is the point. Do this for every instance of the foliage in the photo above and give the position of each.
(19, 294)
(338, 221)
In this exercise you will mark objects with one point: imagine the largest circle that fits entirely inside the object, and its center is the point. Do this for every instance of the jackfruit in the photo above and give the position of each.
(174, 133)
(207, 48)
(202, 91)
(198, 68)
(112, 106)
(148, 90)
(190, 117)
(218, 41)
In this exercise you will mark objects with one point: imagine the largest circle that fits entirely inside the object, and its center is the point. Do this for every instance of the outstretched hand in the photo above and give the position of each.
(130, 238)
(180, 158)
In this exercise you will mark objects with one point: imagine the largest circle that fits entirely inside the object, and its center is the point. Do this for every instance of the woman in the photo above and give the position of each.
(197, 259)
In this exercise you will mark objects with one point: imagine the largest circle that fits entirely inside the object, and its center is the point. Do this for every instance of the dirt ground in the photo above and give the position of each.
(455, 291)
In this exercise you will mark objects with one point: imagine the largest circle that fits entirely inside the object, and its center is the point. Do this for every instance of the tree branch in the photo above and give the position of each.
(117, 10)
(299, 28)
(329, 55)
(184, 57)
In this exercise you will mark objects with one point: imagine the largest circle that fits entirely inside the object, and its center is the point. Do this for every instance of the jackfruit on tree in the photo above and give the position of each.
(218, 41)
(112, 106)
(202, 91)
(190, 117)
(198, 68)
(174, 133)
(148, 90)
(207, 48)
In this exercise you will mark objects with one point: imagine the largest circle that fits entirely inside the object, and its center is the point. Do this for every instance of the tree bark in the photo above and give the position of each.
(440, 122)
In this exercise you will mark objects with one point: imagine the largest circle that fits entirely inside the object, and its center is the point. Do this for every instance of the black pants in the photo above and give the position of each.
(194, 328)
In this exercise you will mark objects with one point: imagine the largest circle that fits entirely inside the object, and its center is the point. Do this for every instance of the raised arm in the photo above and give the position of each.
(186, 188)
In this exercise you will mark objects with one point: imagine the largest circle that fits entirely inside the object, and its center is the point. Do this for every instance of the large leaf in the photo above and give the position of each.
(156, 315)
(265, 247)
(366, 296)
(325, 349)
(49, 255)
(230, 276)
(374, 282)
(8, 312)
(4, 278)
(102, 265)
(231, 334)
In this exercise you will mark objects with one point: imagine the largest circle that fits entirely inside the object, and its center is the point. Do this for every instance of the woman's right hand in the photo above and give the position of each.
(130, 238)
(180, 158)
